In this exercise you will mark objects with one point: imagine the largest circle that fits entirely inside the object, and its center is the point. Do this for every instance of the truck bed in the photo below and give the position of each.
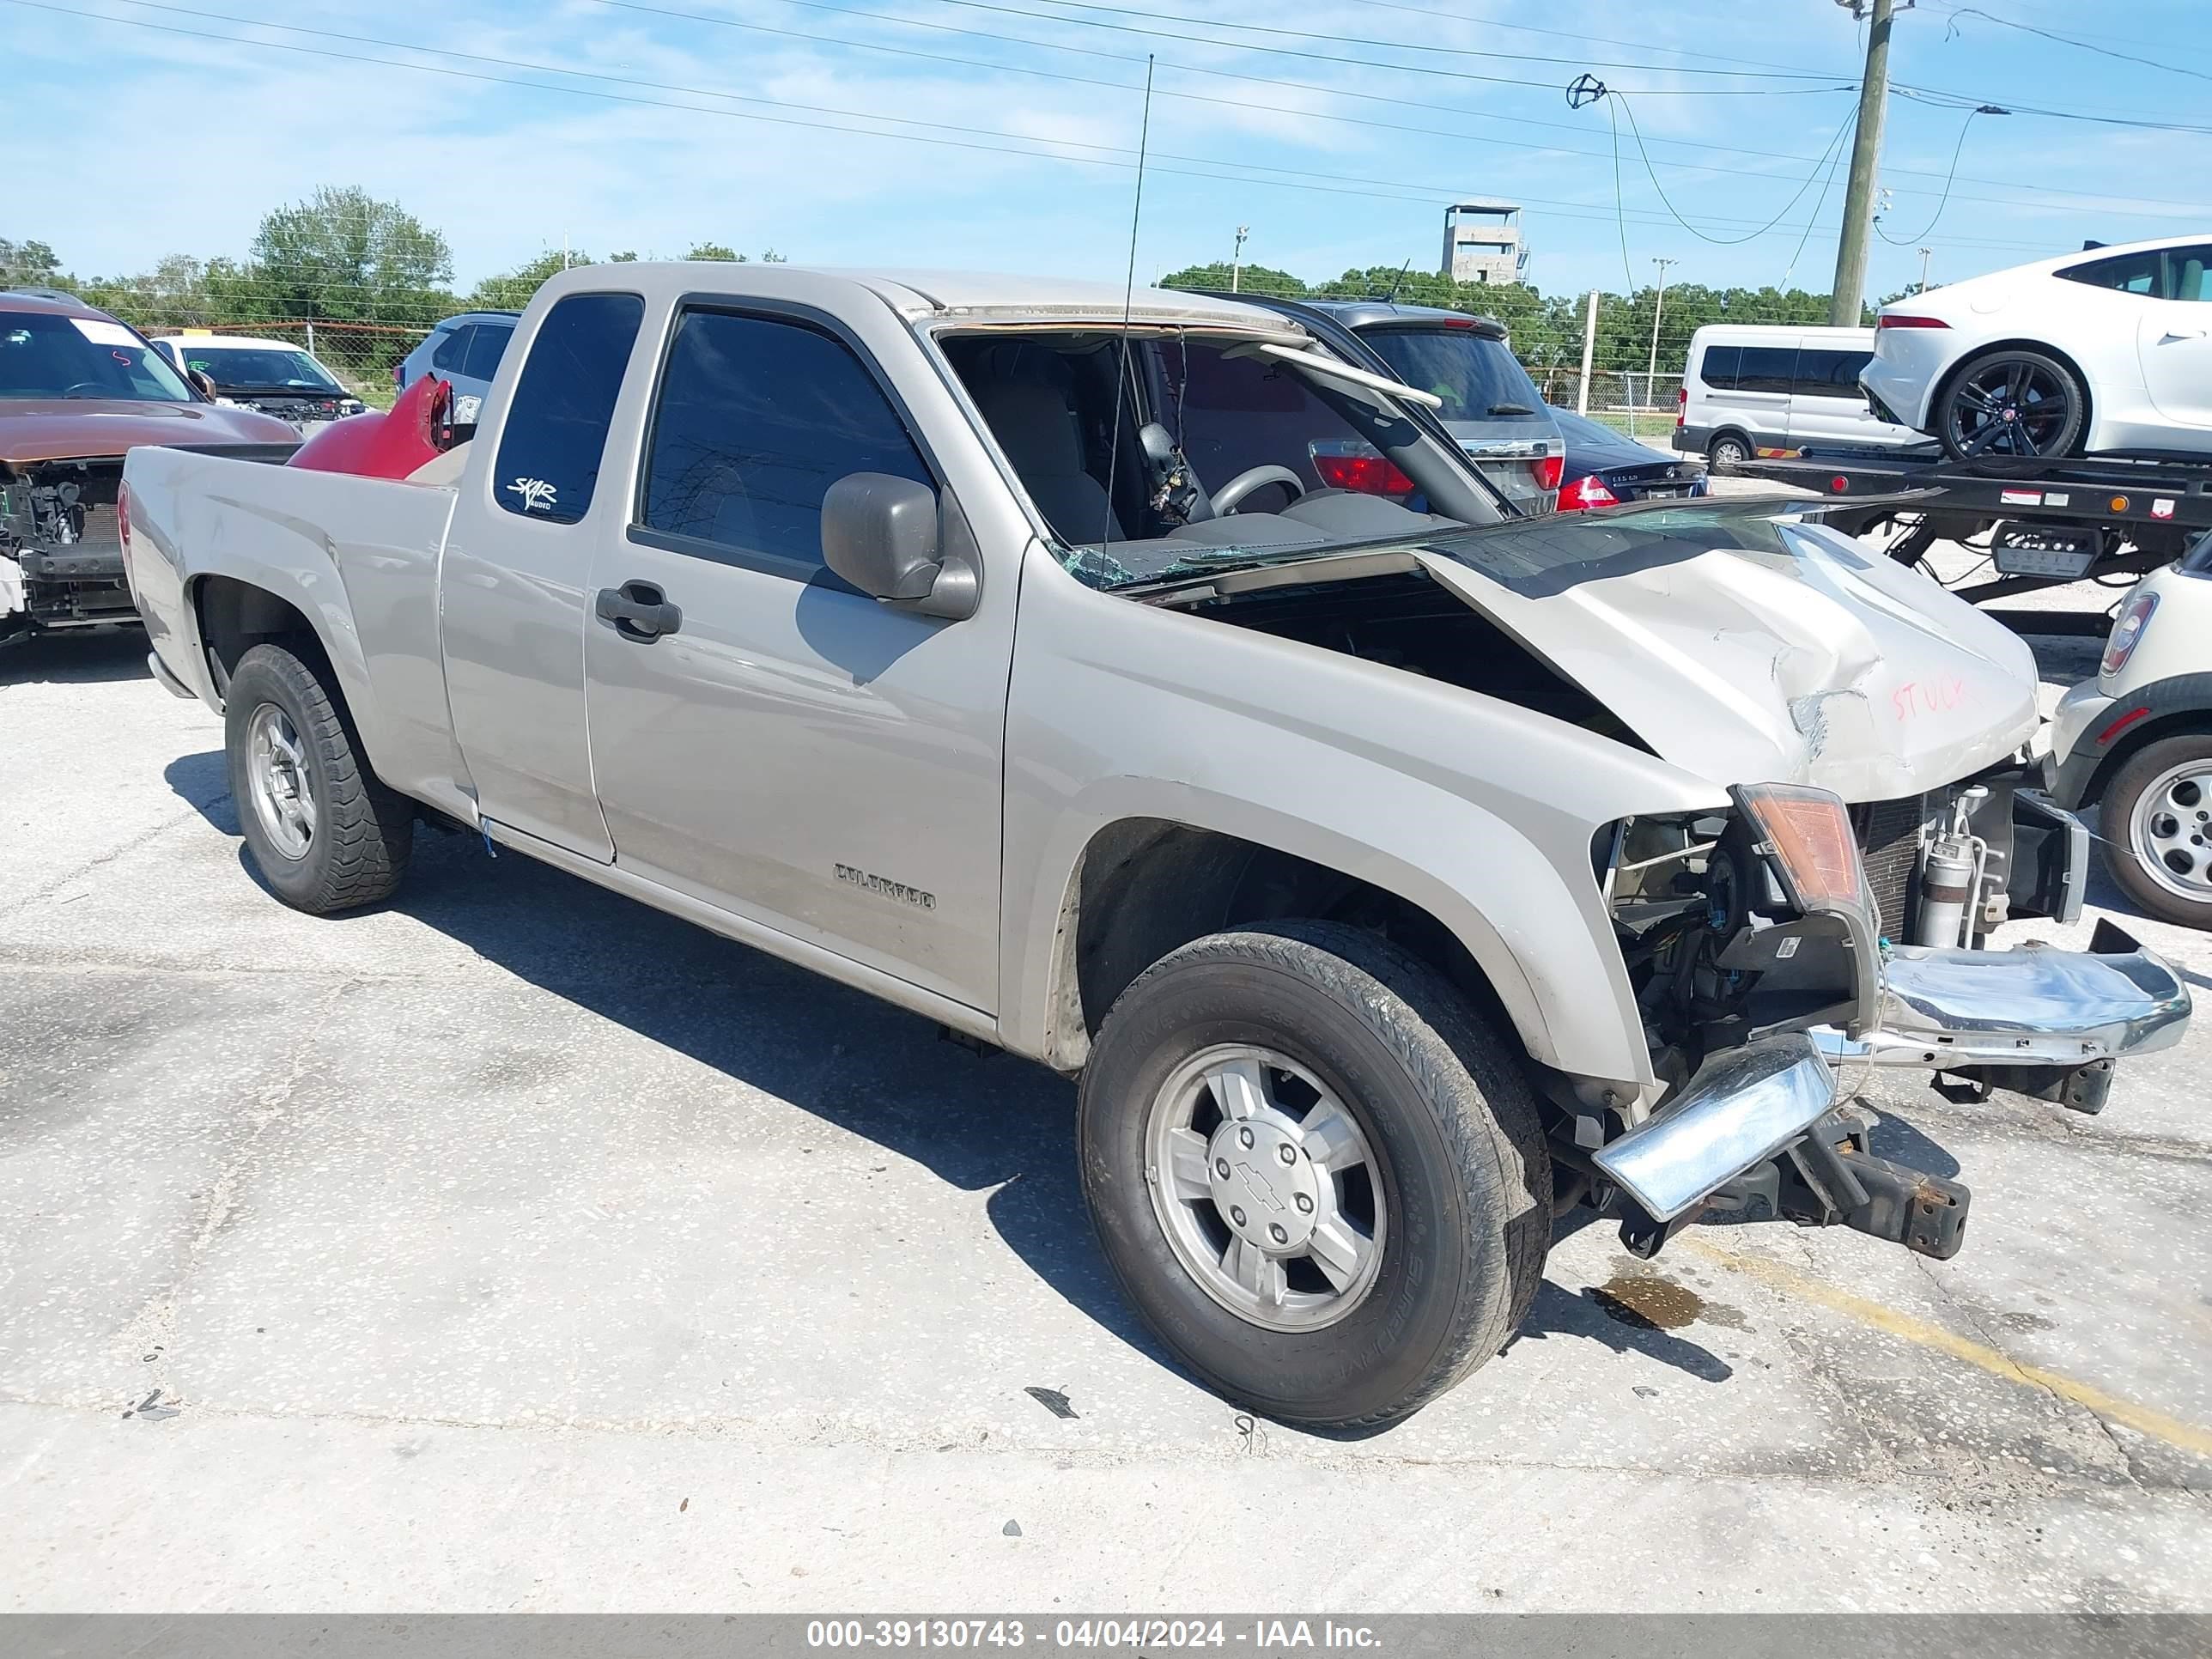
(358, 557)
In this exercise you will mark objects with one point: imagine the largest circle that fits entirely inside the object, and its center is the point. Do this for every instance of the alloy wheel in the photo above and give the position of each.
(2010, 406)
(1266, 1187)
(283, 794)
(2171, 831)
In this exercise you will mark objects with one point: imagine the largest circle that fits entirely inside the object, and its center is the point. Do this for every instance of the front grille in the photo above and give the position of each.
(1889, 844)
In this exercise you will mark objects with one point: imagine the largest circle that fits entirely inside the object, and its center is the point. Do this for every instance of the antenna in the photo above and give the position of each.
(1129, 304)
(1392, 296)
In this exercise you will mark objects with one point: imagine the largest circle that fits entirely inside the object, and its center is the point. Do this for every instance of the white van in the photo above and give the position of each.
(1748, 390)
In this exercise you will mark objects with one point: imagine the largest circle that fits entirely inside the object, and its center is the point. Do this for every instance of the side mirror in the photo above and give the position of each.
(881, 534)
(201, 384)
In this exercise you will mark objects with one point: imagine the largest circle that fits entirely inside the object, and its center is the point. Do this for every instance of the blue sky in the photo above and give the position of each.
(127, 143)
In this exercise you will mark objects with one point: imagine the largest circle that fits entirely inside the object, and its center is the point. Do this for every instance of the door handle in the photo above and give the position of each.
(2174, 334)
(638, 611)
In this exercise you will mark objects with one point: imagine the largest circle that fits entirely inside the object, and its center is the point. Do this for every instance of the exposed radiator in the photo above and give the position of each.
(1889, 843)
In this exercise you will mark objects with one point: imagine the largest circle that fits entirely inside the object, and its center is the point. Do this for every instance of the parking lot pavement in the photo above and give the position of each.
(516, 1247)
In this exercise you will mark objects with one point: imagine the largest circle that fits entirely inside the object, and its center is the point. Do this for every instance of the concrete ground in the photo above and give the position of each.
(515, 1247)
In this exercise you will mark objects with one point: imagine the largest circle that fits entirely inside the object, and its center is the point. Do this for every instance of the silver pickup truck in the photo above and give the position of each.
(1132, 685)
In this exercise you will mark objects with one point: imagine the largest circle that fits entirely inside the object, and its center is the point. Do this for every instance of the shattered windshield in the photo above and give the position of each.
(1537, 557)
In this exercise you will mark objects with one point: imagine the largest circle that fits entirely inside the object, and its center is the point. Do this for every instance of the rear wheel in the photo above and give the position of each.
(2012, 402)
(1729, 449)
(1321, 1181)
(2156, 825)
(324, 832)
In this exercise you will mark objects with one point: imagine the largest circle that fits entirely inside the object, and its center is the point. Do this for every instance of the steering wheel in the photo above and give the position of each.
(1230, 494)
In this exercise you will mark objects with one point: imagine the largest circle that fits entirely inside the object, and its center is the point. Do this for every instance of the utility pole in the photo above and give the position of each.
(1866, 149)
(1658, 305)
(1924, 253)
(1236, 260)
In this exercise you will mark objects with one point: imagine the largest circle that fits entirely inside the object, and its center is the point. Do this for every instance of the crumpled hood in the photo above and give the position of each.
(1749, 647)
(71, 428)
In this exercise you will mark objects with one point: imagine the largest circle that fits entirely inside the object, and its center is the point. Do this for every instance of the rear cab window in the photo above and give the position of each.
(555, 436)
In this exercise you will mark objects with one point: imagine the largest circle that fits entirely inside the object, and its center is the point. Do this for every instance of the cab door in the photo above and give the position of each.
(2174, 338)
(512, 590)
(765, 739)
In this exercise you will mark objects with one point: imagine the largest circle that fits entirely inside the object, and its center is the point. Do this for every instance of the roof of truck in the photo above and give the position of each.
(957, 291)
(920, 295)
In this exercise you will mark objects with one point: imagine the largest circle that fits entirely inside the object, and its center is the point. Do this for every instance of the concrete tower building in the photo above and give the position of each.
(1482, 242)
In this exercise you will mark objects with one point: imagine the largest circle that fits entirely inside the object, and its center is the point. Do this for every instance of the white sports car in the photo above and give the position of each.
(2106, 350)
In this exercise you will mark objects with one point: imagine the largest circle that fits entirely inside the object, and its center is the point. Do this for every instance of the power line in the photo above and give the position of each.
(2194, 209)
(1339, 59)
(1629, 109)
(1936, 217)
(2074, 41)
(1581, 61)
(1580, 37)
(1021, 144)
(1394, 102)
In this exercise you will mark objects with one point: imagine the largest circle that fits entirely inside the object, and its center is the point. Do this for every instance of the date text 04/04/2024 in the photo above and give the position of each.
(1260, 1636)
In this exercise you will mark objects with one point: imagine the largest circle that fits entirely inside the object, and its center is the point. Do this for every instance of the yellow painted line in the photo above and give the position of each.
(2188, 1436)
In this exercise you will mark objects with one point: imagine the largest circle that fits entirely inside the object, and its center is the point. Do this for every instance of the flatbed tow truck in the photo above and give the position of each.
(2040, 523)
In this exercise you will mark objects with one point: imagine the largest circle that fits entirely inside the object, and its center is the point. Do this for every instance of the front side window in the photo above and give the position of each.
(44, 354)
(556, 435)
(2130, 273)
(757, 416)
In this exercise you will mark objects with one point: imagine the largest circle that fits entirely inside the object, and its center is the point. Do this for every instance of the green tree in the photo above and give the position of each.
(715, 251)
(28, 265)
(1253, 279)
(344, 254)
(510, 290)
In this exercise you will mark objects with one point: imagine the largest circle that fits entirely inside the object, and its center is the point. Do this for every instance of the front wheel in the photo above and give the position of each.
(1322, 1182)
(324, 833)
(2012, 402)
(2156, 825)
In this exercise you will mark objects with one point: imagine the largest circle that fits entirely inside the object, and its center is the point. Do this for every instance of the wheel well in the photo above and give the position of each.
(234, 617)
(1750, 447)
(1146, 886)
(1951, 374)
(2180, 723)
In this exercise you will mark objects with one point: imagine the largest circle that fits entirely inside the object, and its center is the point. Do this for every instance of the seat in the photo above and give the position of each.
(1037, 429)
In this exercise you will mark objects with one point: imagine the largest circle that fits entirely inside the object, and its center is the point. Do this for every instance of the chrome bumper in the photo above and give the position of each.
(2033, 1006)
(1742, 1108)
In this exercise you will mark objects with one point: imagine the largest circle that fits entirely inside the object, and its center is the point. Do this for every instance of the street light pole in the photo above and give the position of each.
(1236, 260)
(1924, 253)
(1658, 304)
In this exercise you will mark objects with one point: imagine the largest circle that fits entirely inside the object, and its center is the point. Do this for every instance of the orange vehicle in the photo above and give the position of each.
(77, 389)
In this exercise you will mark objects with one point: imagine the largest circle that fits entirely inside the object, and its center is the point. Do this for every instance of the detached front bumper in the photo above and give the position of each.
(1758, 1133)
(2034, 1007)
